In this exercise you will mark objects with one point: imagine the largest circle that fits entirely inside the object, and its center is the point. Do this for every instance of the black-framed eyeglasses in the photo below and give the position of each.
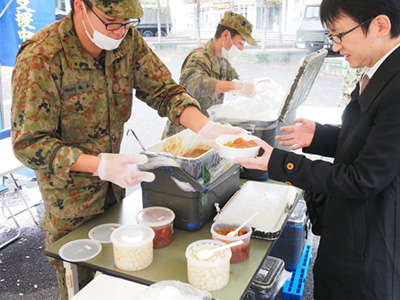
(114, 26)
(337, 38)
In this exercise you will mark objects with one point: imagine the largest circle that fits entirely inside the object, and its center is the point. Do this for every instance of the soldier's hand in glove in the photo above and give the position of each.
(244, 88)
(114, 168)
(212, 130)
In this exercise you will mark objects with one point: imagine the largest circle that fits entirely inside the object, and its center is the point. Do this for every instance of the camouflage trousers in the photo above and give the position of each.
(55, 228)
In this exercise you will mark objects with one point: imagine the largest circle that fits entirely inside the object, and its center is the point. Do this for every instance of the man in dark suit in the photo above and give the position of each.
(359, 251)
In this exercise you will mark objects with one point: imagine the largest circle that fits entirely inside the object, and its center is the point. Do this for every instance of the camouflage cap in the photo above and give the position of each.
(240, 24)
(127, 9)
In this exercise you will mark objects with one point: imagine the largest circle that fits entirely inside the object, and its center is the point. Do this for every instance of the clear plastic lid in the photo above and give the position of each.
(103, 232)
(155, 216)
(132, 235)
(80, 250)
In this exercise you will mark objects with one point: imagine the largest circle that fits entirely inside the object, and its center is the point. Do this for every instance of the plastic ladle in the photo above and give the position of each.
(207, 253)
(235, 232)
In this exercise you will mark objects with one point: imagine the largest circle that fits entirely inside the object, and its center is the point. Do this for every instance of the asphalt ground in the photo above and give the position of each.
(24, 270)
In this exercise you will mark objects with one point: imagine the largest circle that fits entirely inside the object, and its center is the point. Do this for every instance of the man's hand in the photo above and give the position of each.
(114, 168)
(300, 135)
(212, 130)
(259, 162)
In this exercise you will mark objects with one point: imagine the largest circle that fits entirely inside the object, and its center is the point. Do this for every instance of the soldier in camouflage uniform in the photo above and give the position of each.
(353, 76)
(207, 73)
(72, 94)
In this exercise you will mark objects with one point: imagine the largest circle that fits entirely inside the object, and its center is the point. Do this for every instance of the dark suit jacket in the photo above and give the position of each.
(359, 251)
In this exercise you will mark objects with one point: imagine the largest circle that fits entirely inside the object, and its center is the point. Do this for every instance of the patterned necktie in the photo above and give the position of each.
(364, 83)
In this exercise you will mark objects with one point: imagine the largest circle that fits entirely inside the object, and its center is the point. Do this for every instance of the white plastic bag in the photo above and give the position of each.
(173, 290)
(264, 106)
(268, 90)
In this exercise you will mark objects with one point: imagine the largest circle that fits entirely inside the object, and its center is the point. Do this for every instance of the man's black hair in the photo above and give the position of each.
(88, 3)
(360, 11)
(222, 28)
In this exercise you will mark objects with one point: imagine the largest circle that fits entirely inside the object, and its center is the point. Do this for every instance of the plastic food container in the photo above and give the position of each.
(102, 233)
(232, 153)
(133, 247)
(274, 202)
(267, 282)
(211, 274)
(239, 252)
(161, 220)
(80, 250)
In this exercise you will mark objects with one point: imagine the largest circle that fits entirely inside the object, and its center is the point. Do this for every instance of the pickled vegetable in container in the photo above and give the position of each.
(160, 219)
(219, 230)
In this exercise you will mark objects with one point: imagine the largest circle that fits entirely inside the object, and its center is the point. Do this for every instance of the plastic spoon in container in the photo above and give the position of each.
(207, 253)
(235, 232)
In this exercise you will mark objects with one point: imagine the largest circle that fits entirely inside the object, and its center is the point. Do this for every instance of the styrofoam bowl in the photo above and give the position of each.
(232, 153)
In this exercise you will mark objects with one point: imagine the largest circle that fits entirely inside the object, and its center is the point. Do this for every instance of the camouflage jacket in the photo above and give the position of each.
(350, 81)
(199, 72)
(66, 103)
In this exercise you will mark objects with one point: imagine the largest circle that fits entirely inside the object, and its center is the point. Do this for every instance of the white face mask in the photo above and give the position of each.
(231, 54)
(100, 40)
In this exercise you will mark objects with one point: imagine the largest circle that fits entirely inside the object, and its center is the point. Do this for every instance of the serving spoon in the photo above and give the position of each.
(136, 137)
(207, 253)
(234, 232)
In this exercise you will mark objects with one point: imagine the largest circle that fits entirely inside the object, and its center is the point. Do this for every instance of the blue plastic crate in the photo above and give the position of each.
(294, 287)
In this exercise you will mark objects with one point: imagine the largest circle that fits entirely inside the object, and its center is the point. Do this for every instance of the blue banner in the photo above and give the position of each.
(20, 19)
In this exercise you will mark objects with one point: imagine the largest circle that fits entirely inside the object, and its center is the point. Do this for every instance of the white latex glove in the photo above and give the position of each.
(244, 88)
(114, 168)
(212, 130)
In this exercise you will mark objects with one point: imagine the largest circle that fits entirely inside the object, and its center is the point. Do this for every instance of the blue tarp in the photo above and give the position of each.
(19, 21)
